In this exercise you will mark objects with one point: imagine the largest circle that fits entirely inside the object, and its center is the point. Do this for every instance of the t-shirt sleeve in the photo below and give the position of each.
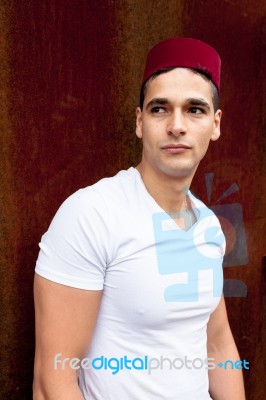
(73, 251)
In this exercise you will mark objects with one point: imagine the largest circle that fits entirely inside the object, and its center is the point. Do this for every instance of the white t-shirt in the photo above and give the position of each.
(160, 285)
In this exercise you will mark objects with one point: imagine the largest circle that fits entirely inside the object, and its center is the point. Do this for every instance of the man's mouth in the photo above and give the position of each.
(176, 148)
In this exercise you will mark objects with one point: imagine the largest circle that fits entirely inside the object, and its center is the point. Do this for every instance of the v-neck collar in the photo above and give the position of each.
(158, 209)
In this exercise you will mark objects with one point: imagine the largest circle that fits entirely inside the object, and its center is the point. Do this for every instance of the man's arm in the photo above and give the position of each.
(65, 321)
(227, 383)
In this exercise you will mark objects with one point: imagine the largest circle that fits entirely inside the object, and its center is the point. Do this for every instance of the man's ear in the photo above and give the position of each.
(139, 122)
(216, 125)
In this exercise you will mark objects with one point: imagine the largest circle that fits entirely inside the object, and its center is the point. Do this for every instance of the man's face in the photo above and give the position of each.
(177, 123)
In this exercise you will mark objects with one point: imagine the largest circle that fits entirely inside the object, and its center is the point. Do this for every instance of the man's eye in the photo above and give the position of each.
(157, 110)
(196, 110)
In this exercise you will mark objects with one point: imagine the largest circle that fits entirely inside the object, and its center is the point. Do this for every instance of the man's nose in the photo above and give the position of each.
(176, 123)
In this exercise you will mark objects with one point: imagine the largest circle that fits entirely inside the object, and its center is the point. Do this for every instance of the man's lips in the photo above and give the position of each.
(176, 148)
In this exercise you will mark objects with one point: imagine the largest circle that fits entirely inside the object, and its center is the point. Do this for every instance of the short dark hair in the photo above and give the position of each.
(205, 75)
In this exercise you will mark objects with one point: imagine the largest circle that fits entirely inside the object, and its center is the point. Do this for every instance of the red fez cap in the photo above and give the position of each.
(184, 52)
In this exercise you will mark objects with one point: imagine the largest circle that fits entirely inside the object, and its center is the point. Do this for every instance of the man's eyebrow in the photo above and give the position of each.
(192, 101)
(198, 102)
(158, 101)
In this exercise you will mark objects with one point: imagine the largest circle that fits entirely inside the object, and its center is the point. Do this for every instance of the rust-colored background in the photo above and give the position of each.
(69, 85)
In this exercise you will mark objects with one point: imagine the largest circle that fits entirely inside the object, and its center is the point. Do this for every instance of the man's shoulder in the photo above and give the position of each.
(118, 181)
(104, 192)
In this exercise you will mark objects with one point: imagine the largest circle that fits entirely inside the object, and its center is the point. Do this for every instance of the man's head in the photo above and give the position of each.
(179, 112)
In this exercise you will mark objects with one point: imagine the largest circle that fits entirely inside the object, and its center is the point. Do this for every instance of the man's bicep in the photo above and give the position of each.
(218, 329)
(65, 321)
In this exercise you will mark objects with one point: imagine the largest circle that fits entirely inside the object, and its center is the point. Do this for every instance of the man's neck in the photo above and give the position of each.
(169, 192)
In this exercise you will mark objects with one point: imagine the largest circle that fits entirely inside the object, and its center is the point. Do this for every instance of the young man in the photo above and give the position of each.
(128, 285)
